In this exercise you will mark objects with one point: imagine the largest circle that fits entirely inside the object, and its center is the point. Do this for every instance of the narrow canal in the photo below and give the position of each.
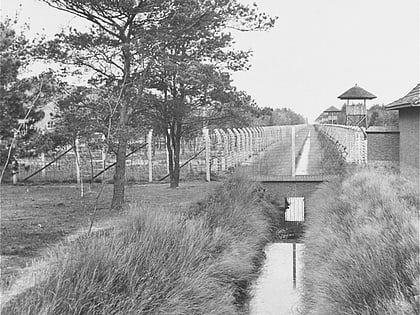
(276, 292)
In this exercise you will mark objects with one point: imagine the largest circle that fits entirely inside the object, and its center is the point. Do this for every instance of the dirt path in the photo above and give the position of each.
(310, 159)
(38, 218)
(27, 277)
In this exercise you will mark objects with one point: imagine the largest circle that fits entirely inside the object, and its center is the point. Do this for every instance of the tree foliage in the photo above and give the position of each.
(379, 116)
(118, 52)
(15, 93)
(191, 73)
(21, 97)
(137, 48)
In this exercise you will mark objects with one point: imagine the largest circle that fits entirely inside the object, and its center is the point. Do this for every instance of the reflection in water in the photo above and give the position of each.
(276, 292)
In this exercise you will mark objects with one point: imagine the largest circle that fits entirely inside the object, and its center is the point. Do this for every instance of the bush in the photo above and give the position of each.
(196, 261)
(361, 247)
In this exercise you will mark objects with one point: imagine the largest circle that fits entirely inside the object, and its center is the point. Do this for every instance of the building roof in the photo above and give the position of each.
(356, 93)
(412, 99)
(332, 109)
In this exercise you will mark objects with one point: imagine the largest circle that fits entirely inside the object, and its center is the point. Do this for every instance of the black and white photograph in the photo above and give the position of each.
(209, 157)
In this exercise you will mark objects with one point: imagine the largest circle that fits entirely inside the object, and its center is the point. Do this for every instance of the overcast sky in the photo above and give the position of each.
(317, 50)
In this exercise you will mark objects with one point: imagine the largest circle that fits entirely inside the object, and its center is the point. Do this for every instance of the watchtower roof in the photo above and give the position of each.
(332, 109)
(356, 93)
(411, 99)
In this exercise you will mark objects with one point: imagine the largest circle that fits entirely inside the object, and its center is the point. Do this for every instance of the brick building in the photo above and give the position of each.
(383, 150)
(409, 126)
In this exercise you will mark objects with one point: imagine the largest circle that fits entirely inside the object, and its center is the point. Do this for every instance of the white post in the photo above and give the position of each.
(15, 177)
(293, 152)
(149, 154)
(237, 151)
(251, 141)
(207, 152)
(248, 142)
(167, 153)
(43, 164)
(78, 173)
(76, 150)
(104, 153)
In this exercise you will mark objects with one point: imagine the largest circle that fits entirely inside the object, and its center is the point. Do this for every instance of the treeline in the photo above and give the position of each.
(278, 117)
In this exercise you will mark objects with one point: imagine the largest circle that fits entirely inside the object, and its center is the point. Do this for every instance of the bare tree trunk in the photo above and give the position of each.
(176, 144)
(119, 175)
(169, 147)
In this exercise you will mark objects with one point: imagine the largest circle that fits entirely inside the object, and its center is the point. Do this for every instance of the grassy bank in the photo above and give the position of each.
(189, 261)
(361, 247)
(332, 162)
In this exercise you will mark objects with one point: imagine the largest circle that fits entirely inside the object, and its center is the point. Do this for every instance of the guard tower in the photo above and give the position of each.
(356, 113)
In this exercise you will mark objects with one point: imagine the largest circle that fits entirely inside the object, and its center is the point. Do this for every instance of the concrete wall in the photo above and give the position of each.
(383, 147)
(409, 122)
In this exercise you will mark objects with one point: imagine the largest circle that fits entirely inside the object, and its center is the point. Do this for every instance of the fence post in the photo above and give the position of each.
(293, 151)
(219, 150)
(260, 139)
(167, 153)
(78, 168)
(15, 171)
(43, 164)
(76, 149)
(251, 141)
(237, 150)
(226, 145)
(207, 151)
(149, 154)
(248, 142)
(104, 155)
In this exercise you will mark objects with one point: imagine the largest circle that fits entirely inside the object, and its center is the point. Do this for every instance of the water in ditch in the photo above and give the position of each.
(277, 290)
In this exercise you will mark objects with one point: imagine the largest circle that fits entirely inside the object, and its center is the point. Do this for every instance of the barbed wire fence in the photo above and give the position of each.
(213, 152)
(350, 141)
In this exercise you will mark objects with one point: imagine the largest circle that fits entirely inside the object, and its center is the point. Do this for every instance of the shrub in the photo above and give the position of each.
(361, 247)
(195, 261)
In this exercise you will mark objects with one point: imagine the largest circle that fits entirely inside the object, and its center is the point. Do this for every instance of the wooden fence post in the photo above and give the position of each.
(43, 164)
(207, 152)
(78, 172)
(76, 149)
(149, 154)
(104, 154)
(167, 153)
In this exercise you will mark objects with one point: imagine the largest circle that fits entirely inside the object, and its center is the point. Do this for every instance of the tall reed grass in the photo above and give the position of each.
(193, 261)
(362, 247)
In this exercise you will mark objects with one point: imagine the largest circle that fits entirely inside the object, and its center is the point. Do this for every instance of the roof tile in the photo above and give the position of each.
(411, 99)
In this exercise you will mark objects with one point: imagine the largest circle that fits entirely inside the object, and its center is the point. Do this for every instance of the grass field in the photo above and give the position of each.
(362, 247)
(177, 259)
(36, 217)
